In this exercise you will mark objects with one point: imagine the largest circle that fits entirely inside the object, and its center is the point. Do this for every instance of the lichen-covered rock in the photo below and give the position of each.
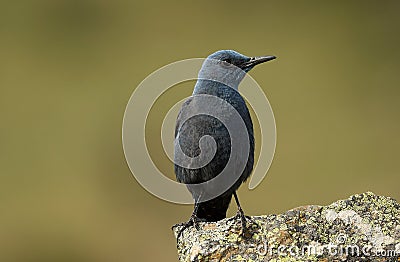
(364, 227)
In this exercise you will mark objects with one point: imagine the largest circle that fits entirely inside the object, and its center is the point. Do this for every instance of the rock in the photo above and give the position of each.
(365, 227)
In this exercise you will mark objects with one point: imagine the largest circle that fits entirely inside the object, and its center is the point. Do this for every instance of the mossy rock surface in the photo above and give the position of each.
(364, 227)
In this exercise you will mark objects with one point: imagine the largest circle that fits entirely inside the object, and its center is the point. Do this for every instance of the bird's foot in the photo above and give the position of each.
(245, 231)
(193, 221)
(240, 214)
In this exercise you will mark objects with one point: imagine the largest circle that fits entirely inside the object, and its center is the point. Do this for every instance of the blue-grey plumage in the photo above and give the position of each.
(220, 76)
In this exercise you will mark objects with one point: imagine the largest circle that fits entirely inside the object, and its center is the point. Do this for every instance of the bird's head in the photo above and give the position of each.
(229, 67)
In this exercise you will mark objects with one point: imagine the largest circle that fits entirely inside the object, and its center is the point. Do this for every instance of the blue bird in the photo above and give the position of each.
(219, 77)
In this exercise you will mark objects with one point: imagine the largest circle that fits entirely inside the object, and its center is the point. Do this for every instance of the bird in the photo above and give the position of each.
(219, 78)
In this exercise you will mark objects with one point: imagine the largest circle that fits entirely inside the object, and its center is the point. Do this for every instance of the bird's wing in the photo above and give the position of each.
(178, 119)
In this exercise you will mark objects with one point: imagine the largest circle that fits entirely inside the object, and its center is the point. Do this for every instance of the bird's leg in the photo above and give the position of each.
(193, 221)
(194, 217)
(240, 213)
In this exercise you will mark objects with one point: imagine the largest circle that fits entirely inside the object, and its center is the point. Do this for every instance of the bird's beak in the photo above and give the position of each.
(257, 60)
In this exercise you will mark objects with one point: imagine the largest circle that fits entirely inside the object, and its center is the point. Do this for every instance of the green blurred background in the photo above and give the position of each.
(68, 68)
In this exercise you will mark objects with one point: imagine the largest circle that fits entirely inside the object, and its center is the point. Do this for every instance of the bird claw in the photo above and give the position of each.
(242, 217)
(243, 220)
(193, 221)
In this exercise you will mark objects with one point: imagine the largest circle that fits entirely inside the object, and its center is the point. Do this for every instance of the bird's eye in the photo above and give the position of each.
(226, 62)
